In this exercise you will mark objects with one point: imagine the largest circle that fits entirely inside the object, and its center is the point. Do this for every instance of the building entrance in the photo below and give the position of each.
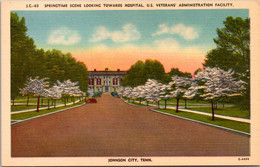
(106, 89)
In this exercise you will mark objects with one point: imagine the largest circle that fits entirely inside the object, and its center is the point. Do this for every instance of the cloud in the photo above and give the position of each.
(167, 43)
(64, 36)
(128, 33)
(187, 33)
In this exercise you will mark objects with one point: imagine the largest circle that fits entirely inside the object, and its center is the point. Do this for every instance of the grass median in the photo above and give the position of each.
(229, 111)
(240, 126)
(26, 115)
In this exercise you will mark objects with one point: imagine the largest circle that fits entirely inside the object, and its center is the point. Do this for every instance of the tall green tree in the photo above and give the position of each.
(135, 75)
(141, 71)
(153, 69)
(22, 49)
(177, 72)
(233, 52)
(27, 61)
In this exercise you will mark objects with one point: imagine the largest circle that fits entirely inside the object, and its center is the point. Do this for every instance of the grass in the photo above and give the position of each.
(229, 111)
(182, 101)
(35, 100)
(45, 102)
(22, 107)
(26, 115)
(240, 126)
(137, 103)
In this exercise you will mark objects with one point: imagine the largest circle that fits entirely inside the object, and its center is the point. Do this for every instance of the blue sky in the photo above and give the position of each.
(42, 24)
(191, 31)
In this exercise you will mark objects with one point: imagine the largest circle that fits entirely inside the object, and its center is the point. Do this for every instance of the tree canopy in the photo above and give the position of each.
(177, 72)
(141, 71)
(28, 61)
(233, 52)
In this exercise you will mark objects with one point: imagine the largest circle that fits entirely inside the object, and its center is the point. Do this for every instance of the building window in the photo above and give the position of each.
(115, 81)
(91, 81)
(98, 81)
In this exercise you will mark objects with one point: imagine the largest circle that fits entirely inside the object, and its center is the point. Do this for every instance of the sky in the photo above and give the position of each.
(116, 39)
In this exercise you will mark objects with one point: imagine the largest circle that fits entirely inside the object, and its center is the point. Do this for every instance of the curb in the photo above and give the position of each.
(208, 124)
(46, 114)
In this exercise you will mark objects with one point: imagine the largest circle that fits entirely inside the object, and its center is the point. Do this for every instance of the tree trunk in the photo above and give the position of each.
(177, 106)
(55, 103)
(212, 109)
(27, 100)
(165, 101)
(73, 100)
(13, 102)
(147, 103)
(65, 100)
(38, 103)
(185, 103)
(140, 101)
(158, 104)
(48, 104)
(223, 105)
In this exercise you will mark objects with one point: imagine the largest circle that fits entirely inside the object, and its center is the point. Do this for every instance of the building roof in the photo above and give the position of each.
(107, 72)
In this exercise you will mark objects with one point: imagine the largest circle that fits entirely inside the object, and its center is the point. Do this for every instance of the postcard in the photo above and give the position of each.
(129, 83)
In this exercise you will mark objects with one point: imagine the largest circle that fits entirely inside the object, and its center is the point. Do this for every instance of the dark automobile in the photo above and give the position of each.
(91, 100)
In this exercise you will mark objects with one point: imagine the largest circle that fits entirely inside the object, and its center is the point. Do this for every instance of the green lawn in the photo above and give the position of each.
(22, 107)
(33, 100)
(26, 115)
(188, 101)
(229, 111)
(240, 126)
(137, 103)
(45, 102)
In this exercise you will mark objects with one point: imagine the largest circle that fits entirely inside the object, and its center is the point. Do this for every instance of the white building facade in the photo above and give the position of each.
(105, 81)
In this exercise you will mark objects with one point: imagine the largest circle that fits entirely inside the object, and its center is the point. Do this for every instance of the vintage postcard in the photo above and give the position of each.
(129, 83)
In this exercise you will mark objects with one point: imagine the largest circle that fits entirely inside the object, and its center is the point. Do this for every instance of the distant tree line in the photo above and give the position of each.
(141, 71)
(28, 61)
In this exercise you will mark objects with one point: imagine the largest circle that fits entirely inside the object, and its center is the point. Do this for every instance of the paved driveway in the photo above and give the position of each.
(114, 128)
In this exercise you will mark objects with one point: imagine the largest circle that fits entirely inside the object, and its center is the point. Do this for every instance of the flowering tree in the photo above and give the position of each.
(127, 93)
(153, 91)
(179, 86)
(68, 89)
(120, 91)
(90, 92)
(54, 93)
(218, 83)
(192, 91)
(36, 87)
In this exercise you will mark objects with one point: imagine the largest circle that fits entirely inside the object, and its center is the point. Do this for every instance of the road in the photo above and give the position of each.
(112, 127)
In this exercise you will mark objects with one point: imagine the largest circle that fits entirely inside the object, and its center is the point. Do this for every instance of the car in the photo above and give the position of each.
(92, 100)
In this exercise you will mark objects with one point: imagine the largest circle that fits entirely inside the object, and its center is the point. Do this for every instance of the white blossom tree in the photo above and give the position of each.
(69, 89)
(218, 83)
(121, 91)
(179, 86)
(90, 92)
(54, 93)
(127, 93)
(36, 87)
(153, 91)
